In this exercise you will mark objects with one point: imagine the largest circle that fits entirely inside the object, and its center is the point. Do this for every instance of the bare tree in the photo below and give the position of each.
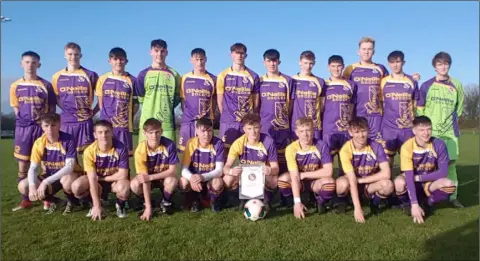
(471, 107)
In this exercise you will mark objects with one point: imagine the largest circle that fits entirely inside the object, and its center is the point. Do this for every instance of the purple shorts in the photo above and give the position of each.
(317, 134)
(24, 139)
(335, 141)
(187, 131)
(53, 188)
(82, 133)
(374, 126)
(125, 137)
(394, 139)
(229, 132)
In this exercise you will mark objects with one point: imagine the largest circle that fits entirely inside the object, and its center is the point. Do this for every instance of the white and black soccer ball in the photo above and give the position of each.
(254, 210)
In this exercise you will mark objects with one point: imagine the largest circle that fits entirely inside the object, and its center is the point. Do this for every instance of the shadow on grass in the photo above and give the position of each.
(457, 244)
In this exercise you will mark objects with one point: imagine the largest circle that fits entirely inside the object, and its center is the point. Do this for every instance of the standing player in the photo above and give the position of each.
(235, 97)
(158, 90)
(253, 147)
(441, 99)
(30, 96)
(115, 91)
(202, 166)
(74, 87)
(197, 92)
(57, 151)
(424, 163)
(308, 102)
(155, 161)
(366, 169)
(309, 168)
(398, 93)
(276, 92)
(106, 163)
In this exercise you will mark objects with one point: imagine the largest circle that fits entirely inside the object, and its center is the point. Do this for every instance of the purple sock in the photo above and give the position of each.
(121, 202)
(325, 193)
(167, 196)
(439, 195)
(71, 198)
(87, 198)
(342, 198)
(375, 199)
(267, 196)
(286, 192)
(404, 198)
(214, 195)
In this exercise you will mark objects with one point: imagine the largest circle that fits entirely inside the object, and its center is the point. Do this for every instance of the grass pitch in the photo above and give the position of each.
(448, 234)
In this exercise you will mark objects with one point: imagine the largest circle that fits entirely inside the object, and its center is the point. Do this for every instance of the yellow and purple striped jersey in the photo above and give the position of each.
(105, 163)
(363, 162)
(149, 161)
(202, 160)
(307, 99)
(310, 159)
(263, 152)
(198, 93)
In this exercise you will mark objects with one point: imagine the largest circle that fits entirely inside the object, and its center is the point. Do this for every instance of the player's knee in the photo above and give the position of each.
(387, 186)
(400, 184)
(23, 186)
(217, 184)
(183, 183)
(79, 186)
(284, 177)
(447, 183)
(271, 182)
(136, 187)
(230, 182)
(123, 188)
(342, 185)
(170, 183)
(67, 181)
(326, 180)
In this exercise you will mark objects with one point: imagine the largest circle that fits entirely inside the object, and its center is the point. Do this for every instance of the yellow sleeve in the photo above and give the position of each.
(348, 70)
(140, 159)
(406, 161)
(37, 151)
(182, 83)
(290, 153)
(380, 90)
(98, 88)
(89, 159)
(346, 156)
(54, 83)
(221, 83)
(13, 95)
(236, 149)
(187, 154)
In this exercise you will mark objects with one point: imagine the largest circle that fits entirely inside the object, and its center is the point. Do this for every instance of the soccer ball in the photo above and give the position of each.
(254, 210)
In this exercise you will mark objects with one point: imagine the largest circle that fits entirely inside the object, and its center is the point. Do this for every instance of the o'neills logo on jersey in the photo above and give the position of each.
(251, 162)
(367, 80)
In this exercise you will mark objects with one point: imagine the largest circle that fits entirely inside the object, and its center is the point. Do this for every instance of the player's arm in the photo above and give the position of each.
(14, 99)
(123, 166)
(384, 173)
(99, 91)
(35, 160)
(256, 95)
(292, 167)
(139, 87)
(422, 100)
(233, 154)
(119, 175)
(90, 168)
(220, 87)
(140, 160)
(219, 162)
(460, 98)
(346, 160)
(70, 157)
(94, 81)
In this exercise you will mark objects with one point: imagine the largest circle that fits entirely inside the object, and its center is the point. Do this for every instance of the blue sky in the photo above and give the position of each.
(419, 29)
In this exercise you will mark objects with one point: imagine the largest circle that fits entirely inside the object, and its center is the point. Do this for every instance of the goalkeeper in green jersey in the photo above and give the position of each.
(158, 90)
(441, 99)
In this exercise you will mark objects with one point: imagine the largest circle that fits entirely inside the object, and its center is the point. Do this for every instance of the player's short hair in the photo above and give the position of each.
(422, 120)
(31, 54)
(158, 43)
(304, 121)
(308, 55)
(238, 47)
(442, 57)
(395, 55)
(366, 39)
(152, 123)
(198, 51)
(204, 122)
(251, 119)
(50, 117)
(271, 54)
(103, 123)
(117, 52)
(358, 123)
(335, 59)
(72, 45)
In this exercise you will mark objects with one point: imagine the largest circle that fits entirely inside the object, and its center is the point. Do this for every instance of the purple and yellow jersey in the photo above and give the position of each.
(363, 162)
(202, 160)
(263, 152)
(423, 160)
(32, 98)
(398, 97)
(148, 161)
(106, 163)
(117, 94)
(53, 155)
(275, 94)
(367, 78)
(307, 99)
(237, 89)
(75, 93)
(197, 92)
(310, 159)
(340, 96)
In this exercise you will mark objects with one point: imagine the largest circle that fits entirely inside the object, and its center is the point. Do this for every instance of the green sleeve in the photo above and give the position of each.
(460, 97)
(176, 98)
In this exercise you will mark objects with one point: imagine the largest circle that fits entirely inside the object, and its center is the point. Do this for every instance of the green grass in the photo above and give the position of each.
(449, 234)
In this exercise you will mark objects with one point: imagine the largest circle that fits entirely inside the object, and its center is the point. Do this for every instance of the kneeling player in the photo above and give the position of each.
(106, 164)
(202, 166)
(310, 168)
(252, 148)
(424, 163)
(155, 161)
(57, 151)
(366, 168)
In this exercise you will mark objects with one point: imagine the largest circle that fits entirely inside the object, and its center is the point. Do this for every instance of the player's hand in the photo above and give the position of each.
(196, 187)
(41, 191)
(237, 171)
(267, 170)
(416, 76)
(196, 178)
(96, 213)
(32, 193)
(298, 210)
(147, 214)
(144, 178)
(417, 214)
(358, 214)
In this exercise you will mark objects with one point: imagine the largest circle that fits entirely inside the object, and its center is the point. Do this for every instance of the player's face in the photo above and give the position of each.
(30, 64)
(305, 134)
(422, 132)
(118, 63)
(366, 51)
(359, 135)
(103, 134)
(306, 65)
(335, 69)
(199, 62)
(252, 131)
(153, 135)
(73, 56)
(396, 65)
(51, 129)
(271, 65)
(442, 68)
(238, 57)
(204, 135)
(159, 54)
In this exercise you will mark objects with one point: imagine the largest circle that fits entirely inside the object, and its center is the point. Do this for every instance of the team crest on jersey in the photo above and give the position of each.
(281, 85)
(126, 85)
(375, 71)
(369, 157)
(406, 86)
(245, 79)
(430, 154)
(260, 153)
(311, 84)
(167, 76)
(81, 78)
(206, 83)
